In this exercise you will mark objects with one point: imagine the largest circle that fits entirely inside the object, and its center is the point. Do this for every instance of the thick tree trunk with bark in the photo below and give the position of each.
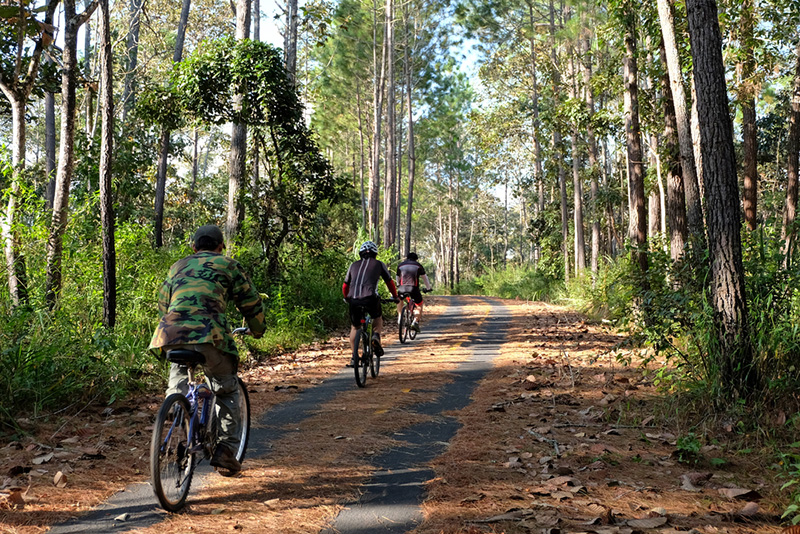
(633, 137)
(793, 150)
(66, 155)
(738, 372)
(290, 40)
(238, 153)
(682, 116)
(676, 199)
(106, 188)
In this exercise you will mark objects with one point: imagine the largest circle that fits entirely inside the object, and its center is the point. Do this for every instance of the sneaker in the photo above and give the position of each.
(376, 346)
(225, 459)
(415, 326)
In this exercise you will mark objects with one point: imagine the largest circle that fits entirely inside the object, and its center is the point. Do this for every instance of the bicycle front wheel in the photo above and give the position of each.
(171, 461)
(361, 354)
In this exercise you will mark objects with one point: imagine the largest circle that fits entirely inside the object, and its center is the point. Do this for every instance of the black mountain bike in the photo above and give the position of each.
(185, 433)
(406, 318)
(364, 357)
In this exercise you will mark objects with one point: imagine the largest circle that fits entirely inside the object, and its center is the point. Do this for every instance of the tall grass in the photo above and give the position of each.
(515, 282)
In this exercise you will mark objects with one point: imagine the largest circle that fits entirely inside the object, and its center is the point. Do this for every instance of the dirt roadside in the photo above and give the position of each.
(557, 384)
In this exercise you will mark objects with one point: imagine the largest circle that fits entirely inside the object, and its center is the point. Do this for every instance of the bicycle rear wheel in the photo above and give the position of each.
(404, 324)
(411, 332)
(363, 347)
(171, 462)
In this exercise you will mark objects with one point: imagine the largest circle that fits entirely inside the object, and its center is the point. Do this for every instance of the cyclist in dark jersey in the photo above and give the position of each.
(408, 275)
(360, 290)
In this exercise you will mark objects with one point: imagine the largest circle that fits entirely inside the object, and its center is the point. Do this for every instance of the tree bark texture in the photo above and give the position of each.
(792, 150)
(689, 166)
(66, 153)
(593, 156)
(633, 136)
(50, 146)
(738, 373)
(411, 155)
(106, 188)
(671, 156)
(290, 40)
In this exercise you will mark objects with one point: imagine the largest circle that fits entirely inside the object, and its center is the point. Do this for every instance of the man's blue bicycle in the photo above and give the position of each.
(186, 431)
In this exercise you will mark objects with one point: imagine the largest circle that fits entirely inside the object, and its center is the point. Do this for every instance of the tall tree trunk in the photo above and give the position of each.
(164, 141)
(738, 372)
(375, 176)
(132, 48)
(593, 156)
(106, 188)
(50, 145)
(238, 153)
(689, 166)
(676, 199)
(410, 154)
(66, 155)
(195, 162)
(257, 20)
(633, 139)
(747, 96)
(557, 148)
(538, 174)
(361, 155)
(290, 40)
(577, 188)
(792, 150)
(389, 194)
(87, 75)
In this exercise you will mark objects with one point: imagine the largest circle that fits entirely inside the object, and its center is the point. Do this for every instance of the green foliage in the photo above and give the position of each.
(512, 283)
(688, 448)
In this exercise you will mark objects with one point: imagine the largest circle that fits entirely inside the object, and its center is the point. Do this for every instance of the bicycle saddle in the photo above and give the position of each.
(185, 357)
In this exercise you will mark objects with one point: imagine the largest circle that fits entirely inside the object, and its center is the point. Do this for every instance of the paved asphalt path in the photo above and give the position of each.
(390, 501)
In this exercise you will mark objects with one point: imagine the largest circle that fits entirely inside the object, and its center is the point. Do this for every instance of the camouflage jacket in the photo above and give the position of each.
(193, 299)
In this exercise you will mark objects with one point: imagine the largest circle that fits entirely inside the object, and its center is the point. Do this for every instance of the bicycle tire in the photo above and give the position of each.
(244, 426)
(362, 359)
(171, 462)
(374, 365)
(403, 328)
(411, 332)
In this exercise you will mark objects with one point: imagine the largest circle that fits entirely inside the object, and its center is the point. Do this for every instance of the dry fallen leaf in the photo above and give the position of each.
(60, 480)
(648, 522)
(43, 459)
(740, 493)
(750, 509)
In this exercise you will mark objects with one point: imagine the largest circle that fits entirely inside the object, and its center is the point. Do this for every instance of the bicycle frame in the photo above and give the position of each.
(196, 393)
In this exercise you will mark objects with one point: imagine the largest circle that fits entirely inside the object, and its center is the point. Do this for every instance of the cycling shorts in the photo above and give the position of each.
(372, 305)
(412, 291)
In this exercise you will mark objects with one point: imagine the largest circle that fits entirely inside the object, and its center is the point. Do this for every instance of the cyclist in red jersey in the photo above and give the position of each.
(360, 290)
(408, 275)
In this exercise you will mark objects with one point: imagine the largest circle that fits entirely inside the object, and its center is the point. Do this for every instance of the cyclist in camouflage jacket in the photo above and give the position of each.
(192, 303)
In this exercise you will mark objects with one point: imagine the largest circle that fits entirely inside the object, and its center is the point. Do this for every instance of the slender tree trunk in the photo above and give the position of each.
(290, 40)
(689, 166)
(557, 148)
(66, 156)
(638, 215)
(257, 20)
(195, 162)
(747, 96)
(15, 260)
(132, 47)
(410, 154)
(792, 150)
(378, 83)
(389, 194)
(538, 174)
(164, 140)
(238, 154)
(361, 155)
(676, 198)
(106, 188)
(593, 156)
(50, 146)
(577, 188)
(738, 372)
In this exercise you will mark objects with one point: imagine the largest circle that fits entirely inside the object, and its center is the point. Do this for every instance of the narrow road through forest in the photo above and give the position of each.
(469, 330)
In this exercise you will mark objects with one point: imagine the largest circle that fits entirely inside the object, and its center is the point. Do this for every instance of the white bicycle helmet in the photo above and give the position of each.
(368, 247)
